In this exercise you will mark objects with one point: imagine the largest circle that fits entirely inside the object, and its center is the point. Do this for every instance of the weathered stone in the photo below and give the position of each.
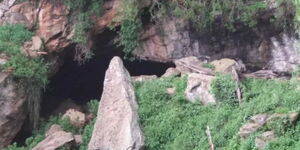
(78, 139)
(252, 125)
(172, 39)
(225, 65)
(53, 25)
(192, 64)
(171, 72)
(76, 118)
(28, 10)
(117, 126)
(54, 128)
(5, 5)
(143, 78)
(260, 120)
(171, 91)
(15, 18)
(13, 110)
(198, 89)
(55, 141)
(263, 139)
(33, 48)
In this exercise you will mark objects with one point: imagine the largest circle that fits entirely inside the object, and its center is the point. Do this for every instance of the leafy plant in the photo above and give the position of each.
(130, 26)
(223, 87)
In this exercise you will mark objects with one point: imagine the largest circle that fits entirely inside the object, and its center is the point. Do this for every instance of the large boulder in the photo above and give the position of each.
(13, 108)
(56, 140)
(117, 126)
(198, 89)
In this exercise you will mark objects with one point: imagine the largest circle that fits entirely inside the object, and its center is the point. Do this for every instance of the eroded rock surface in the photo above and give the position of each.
(55, 141)
(258, 121)
(13, 109)
(198, 89)
(117, 126)
(173, 38)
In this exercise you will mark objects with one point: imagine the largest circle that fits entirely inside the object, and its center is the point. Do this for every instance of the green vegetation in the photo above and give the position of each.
(88, 129)
(170, 122)
(39, 134)
(82, 12)
(228, 13)
(130, 26)
(223, 88)
(12, 38)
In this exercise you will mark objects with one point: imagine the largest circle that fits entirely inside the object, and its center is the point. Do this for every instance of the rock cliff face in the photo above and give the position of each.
(13, 110)
(264, 47)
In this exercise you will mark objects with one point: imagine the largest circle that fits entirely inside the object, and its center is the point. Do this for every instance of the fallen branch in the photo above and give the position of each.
(210, 142)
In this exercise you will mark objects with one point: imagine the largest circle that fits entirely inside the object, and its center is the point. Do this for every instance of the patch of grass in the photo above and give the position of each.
(223, 88)
(170, 122)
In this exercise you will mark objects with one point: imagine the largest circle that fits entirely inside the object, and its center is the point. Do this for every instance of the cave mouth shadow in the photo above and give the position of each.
(82, 83)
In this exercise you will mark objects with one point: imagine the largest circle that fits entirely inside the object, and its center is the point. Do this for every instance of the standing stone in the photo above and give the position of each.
(117, 126)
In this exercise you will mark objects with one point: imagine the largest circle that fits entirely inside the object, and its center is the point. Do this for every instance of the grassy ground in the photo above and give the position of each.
(171, 123)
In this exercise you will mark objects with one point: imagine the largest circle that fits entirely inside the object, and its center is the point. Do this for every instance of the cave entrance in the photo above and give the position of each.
(81, 83)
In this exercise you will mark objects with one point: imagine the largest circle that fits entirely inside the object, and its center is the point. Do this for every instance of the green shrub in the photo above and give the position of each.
(170, 122)
(12, 38)
(223, 88)
(130, 26)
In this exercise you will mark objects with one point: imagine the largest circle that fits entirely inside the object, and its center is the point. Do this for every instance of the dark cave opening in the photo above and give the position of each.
(81, 83)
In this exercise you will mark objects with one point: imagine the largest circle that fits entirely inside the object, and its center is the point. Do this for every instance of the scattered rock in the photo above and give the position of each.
(258, 121)
(254, 123)
(171, 72)
(171, 91)
(55, 141)
(198, 89)
(77, 118)
(142, 78)
(192, 65)
(54, 128)
(263, 139)
(117, 126)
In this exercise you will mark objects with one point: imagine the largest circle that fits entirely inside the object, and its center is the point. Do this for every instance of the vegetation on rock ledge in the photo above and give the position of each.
(12, 38)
